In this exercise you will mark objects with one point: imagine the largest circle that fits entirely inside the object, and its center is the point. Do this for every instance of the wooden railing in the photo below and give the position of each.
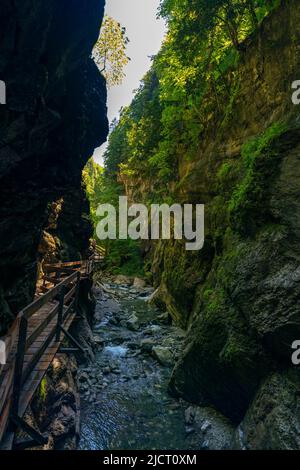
(85, 266)
(36, 332)
(36, 328)
(100, 250)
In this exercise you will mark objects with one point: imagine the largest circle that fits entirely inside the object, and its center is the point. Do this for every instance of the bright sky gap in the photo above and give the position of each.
(146, 34)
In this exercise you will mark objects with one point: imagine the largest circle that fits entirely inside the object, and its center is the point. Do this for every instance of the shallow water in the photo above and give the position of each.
(115, 351)
(127, 405)
(134, 411)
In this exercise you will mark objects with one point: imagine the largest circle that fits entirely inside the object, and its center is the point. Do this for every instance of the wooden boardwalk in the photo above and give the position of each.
(32, 343)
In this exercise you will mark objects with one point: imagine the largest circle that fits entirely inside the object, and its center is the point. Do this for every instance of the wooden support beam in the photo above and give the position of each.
(60, 312)
(76, 307)
(18, 378)
(72, 339)
(79, 317)
(25, 444)
(32, 347)
(36, 436)
(68, 350)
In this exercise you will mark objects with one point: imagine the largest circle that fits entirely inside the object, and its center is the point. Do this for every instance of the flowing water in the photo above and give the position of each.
(124, 393)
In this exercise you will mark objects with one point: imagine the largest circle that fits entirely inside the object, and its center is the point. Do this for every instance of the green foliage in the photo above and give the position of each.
(199, 57)
(224, 171)
(93, 181)
(42, 391)
(122, 256)
(192, 78)
(259, 161)
(110, 51)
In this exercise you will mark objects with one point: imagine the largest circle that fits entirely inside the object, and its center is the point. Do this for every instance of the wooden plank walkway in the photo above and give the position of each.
(33, 341)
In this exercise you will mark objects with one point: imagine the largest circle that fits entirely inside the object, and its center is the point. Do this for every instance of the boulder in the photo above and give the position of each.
(147, 344)
(272, 422)
(122, 280)
(133, 323)
(98, 340)
(189, 415)
(163, 355)
(139, 283)
(207, 429)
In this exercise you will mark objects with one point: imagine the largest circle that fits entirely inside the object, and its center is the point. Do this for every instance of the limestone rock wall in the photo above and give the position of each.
(54, 118)
(239, 296)
(244, 315)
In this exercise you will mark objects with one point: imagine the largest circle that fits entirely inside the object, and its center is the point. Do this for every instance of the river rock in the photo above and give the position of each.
(189, 430)
(98, 340)
(133, 323)
(205, 426)
(139, 283)
(189, 415)
(122, 280)
(147, 344)
(114, 321)
(163, 355)
(164, 318)
(82, 377)
(212, 430)
(152, 330)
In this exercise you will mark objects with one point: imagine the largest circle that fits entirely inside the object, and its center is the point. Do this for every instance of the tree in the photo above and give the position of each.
(110, 51)
(93, 182)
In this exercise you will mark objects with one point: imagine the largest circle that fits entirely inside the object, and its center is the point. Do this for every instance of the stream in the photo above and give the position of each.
(124, 393)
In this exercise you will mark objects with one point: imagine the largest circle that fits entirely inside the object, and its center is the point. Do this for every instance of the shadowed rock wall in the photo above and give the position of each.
(54, 118)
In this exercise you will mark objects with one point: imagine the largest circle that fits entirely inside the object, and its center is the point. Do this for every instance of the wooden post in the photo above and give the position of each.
(19, 362)
(92, 265)
(60, 312)
(76, 305)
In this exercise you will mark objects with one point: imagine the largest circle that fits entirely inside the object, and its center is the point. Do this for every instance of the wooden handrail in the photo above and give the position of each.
(72, 264)
(20, 338)
(100, 249)
(50, 295)
(18, 376)
(36, 333)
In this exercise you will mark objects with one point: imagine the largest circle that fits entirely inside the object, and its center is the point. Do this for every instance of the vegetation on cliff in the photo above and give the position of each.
(166, 118)
(122, 256)
(195, 70)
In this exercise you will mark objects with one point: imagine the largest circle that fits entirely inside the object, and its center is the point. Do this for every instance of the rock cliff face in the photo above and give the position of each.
(239, 296)
(54, 117)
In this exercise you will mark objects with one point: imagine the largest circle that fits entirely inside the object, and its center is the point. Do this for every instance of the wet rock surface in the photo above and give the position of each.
(54, 410)
(273, 419)
(124, 393)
